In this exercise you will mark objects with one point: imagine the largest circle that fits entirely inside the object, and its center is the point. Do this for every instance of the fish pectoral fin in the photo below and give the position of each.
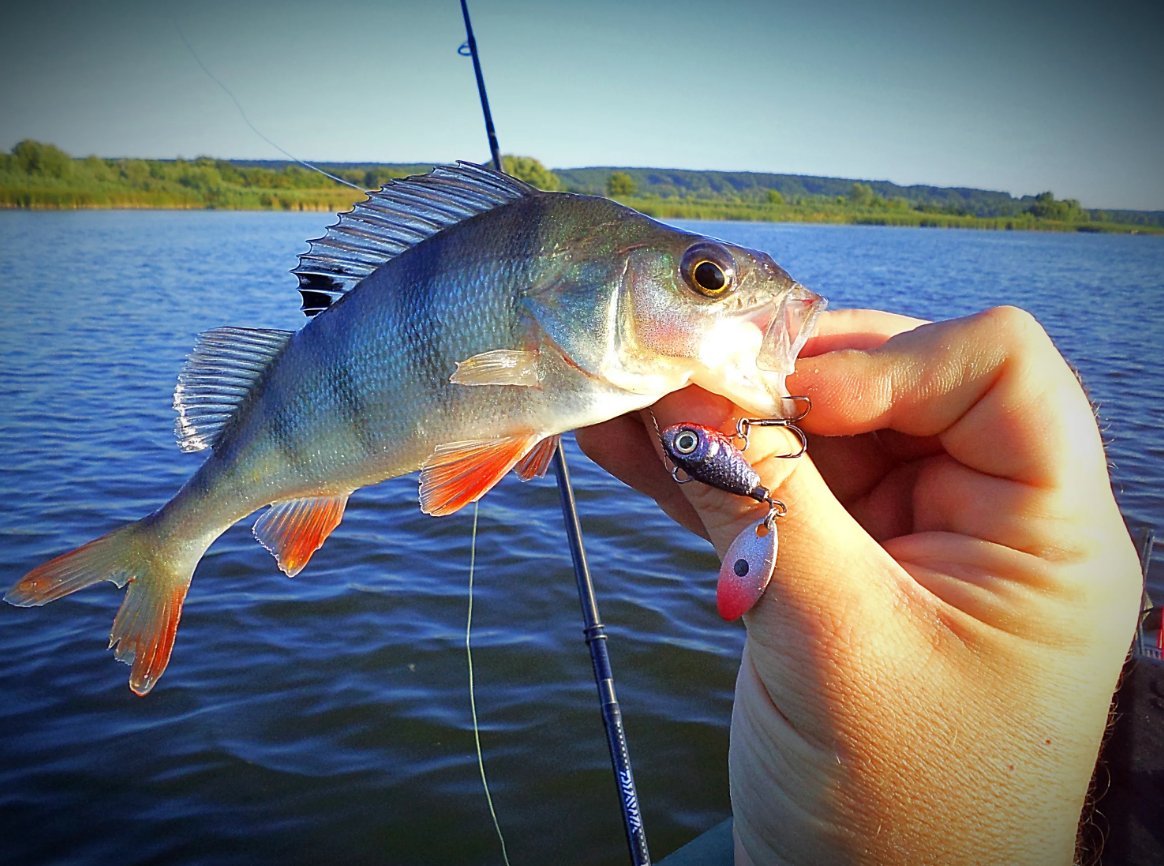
(458, 473)
(535, 464)
(292, 530)
(500, 367)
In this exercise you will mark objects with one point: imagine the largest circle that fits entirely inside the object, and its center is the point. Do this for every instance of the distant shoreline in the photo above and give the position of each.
(307, 208)
(39, 176)
(662, 210)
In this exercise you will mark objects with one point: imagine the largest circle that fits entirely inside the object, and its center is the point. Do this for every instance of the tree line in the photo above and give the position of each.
(39, 175)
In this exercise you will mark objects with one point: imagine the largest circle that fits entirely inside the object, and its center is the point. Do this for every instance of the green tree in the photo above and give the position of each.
(1046, 207)
(774, 197)
(96, 168)
(531, 171)
(136, 171)
(46, 160)
(861, 195)
(620, 184)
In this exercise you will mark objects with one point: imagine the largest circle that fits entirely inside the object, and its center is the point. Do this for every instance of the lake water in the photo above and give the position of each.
(326, 719)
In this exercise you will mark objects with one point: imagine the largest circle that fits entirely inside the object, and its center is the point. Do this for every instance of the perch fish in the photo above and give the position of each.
(459, 323)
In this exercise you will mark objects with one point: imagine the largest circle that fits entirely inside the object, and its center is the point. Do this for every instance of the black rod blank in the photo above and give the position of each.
(593, 629)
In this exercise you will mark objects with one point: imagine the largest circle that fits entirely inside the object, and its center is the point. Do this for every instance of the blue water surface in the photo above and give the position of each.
(326, 719)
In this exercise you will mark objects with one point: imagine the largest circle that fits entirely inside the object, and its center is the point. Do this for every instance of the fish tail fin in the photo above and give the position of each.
(157, 577)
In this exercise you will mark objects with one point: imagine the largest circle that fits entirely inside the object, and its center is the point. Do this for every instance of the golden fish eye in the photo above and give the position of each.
(686, 442)
(708, 269)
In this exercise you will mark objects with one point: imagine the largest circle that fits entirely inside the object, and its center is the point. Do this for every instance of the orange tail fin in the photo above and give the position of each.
(143, 632)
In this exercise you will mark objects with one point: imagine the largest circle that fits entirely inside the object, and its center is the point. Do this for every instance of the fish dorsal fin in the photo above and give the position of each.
(217, 377)
(400, 215)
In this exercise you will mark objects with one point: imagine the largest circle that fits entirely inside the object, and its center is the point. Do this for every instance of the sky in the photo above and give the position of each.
(1021, 96)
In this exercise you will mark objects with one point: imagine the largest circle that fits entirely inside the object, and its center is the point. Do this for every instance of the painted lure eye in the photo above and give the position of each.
(708, 269)
(686, 442)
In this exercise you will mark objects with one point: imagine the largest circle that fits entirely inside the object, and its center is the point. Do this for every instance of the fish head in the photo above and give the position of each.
(730, 317)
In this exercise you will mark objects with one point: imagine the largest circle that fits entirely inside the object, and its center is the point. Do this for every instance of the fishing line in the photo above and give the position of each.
(472, 698)
(247, 120)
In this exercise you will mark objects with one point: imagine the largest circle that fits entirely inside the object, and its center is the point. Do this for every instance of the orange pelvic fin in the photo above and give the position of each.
(462, 472)
(157, 579)
(535, 464)
(295, 528)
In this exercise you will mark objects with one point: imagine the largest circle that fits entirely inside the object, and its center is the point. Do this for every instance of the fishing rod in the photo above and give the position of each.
(593, 629)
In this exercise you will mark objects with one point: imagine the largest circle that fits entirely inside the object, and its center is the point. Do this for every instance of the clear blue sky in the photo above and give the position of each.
(1018, 96)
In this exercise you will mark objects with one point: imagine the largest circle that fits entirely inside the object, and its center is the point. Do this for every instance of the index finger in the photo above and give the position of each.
(856, 329)
(991, 387)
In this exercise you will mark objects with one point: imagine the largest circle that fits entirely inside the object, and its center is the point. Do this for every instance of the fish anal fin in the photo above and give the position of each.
(500, 367)
(292, 530)
(537, 461)
(458, 473)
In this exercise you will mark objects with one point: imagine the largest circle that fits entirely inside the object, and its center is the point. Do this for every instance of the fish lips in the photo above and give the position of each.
(788, 330)
(778, 331)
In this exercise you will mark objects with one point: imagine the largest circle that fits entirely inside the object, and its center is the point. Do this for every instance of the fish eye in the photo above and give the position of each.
(686, 442)
(708, 269)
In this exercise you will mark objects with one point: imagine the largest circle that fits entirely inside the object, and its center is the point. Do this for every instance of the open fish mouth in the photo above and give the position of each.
(789, 329)
(748, 358)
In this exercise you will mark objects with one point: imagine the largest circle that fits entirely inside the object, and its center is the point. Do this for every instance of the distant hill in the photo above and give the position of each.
(751, 187)
(40, 175)
(748, 186)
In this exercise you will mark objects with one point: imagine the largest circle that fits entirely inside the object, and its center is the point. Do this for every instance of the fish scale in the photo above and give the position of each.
(458, 324)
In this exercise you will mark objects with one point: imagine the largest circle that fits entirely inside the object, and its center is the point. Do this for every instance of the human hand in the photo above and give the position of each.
(928, 675)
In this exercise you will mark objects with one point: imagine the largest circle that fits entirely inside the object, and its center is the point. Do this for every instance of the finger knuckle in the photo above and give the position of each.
(1014, 323)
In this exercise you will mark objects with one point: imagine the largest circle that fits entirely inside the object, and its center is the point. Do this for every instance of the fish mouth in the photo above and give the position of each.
(789, 329)
(749, 365)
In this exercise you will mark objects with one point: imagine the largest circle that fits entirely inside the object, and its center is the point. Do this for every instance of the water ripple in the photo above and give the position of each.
(326, 718)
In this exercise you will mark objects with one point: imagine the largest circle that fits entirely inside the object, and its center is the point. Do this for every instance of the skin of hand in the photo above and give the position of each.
(928, 677)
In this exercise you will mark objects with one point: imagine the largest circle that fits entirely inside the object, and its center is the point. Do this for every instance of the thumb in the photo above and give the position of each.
(828, 570)
(833, 585)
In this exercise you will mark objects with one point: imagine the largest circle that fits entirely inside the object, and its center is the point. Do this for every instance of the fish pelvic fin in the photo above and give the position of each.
(156, 580)
(458, 473)
(292, 530)
(537, 462)
(218, 378)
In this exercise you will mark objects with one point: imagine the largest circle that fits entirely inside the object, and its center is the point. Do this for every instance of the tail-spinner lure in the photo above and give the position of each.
(712, 457)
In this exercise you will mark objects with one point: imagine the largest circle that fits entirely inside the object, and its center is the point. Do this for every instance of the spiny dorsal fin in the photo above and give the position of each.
(398, 216)
(217, 377)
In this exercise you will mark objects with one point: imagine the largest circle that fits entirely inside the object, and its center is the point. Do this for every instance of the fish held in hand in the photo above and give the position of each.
(459, 323)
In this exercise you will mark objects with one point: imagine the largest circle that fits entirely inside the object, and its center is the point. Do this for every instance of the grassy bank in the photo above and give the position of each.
(37, 176)
(831, 212)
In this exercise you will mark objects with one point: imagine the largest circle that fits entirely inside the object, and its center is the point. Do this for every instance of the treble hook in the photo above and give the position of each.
(744, 425)
(800, 398)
